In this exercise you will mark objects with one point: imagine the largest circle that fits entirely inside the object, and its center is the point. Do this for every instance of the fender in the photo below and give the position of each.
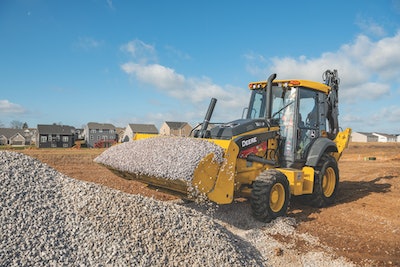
(318, 148)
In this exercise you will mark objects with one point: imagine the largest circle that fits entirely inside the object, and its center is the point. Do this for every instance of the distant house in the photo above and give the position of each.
(175, 128)
(13, 137)
(52, 136)
(385, 137)
(100, 134)
(132, 129)
(363, 137)
(79, 134)
(120, 133)
(30, 136)
(17, 137)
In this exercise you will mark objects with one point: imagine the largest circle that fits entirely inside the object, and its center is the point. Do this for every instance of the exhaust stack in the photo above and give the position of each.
(268, 113)
(203, 131)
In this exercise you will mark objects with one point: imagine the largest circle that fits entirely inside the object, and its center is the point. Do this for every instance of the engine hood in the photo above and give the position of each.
(237, 127)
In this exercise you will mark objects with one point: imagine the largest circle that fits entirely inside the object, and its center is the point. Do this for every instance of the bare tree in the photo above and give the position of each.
(14, 124)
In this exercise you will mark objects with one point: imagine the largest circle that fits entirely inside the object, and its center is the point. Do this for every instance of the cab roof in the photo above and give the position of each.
(293, 83)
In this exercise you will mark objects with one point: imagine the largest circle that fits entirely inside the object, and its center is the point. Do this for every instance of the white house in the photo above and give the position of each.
(133, 129)
(385, 137)
(363, 137)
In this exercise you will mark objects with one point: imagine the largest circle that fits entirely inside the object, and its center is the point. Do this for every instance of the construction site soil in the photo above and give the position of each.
(363, 225)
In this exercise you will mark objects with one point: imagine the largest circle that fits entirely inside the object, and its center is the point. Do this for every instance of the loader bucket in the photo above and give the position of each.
(139, 136)
(183, 165)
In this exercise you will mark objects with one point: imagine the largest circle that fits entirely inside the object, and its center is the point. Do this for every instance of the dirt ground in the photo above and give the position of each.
(363, 226)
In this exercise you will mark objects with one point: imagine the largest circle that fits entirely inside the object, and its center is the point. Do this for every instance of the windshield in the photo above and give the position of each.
(282, 99)
(283, 111)
(257, 105)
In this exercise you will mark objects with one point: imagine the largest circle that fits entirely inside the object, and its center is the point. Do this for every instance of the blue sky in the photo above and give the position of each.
(121, 62)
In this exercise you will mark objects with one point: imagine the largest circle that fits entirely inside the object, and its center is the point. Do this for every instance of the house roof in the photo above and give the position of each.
(10, 132)
(386, 135)
(103, 126)
(55, 129)
(120, 131)
(176, 125)
(366, 134)
(143, 128)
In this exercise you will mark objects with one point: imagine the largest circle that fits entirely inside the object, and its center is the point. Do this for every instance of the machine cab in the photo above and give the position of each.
(297, 107)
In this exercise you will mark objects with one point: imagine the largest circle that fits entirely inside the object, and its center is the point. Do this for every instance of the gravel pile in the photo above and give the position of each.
(164, 157)
(47, 218)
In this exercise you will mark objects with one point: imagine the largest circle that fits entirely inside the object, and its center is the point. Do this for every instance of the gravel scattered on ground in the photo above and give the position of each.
(47, 218)
(276, 241)
(164, 157)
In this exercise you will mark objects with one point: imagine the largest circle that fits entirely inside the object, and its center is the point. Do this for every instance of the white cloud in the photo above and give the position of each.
(198, 90)
(7, 107)
(140, 51)
(383, 57)
(369, 73)
(159, 76)
(391, 114)
(87, 43)
(369, 26)
(173, 52)
(352, 118)
(110, 4)
(367, 68)
(369, 90)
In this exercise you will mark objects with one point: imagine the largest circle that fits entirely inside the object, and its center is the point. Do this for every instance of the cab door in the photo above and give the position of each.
(307, 121)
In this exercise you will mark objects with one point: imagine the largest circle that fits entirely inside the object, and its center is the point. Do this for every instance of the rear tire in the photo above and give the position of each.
(270, 195)
(326, 182)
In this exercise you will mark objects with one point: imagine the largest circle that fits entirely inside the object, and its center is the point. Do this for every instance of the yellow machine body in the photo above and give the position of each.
(234, 177)
(221, 183)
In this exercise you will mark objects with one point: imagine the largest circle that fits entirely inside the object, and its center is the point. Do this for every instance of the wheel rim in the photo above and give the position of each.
(277, 197)
(329, 182)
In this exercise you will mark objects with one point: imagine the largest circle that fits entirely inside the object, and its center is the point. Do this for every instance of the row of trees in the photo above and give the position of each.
(16, 125)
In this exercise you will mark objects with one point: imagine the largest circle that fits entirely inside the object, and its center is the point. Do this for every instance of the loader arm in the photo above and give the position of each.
(332, 105)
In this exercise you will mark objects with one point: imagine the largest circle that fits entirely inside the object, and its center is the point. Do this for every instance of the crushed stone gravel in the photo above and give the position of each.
(49, 219)
(165, 157)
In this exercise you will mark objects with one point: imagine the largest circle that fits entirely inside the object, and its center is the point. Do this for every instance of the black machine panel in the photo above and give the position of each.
(237, 127)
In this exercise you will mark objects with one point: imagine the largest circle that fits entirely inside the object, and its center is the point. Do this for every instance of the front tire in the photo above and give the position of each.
(326, 182)
(270, 195)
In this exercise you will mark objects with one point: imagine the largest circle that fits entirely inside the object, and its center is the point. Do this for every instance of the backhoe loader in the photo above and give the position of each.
(288, 142)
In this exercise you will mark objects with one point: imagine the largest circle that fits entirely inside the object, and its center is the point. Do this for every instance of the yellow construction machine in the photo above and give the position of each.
(288, 142)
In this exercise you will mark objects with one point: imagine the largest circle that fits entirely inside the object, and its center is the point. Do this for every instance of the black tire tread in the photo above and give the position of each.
(317, 199)
(260, 195)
